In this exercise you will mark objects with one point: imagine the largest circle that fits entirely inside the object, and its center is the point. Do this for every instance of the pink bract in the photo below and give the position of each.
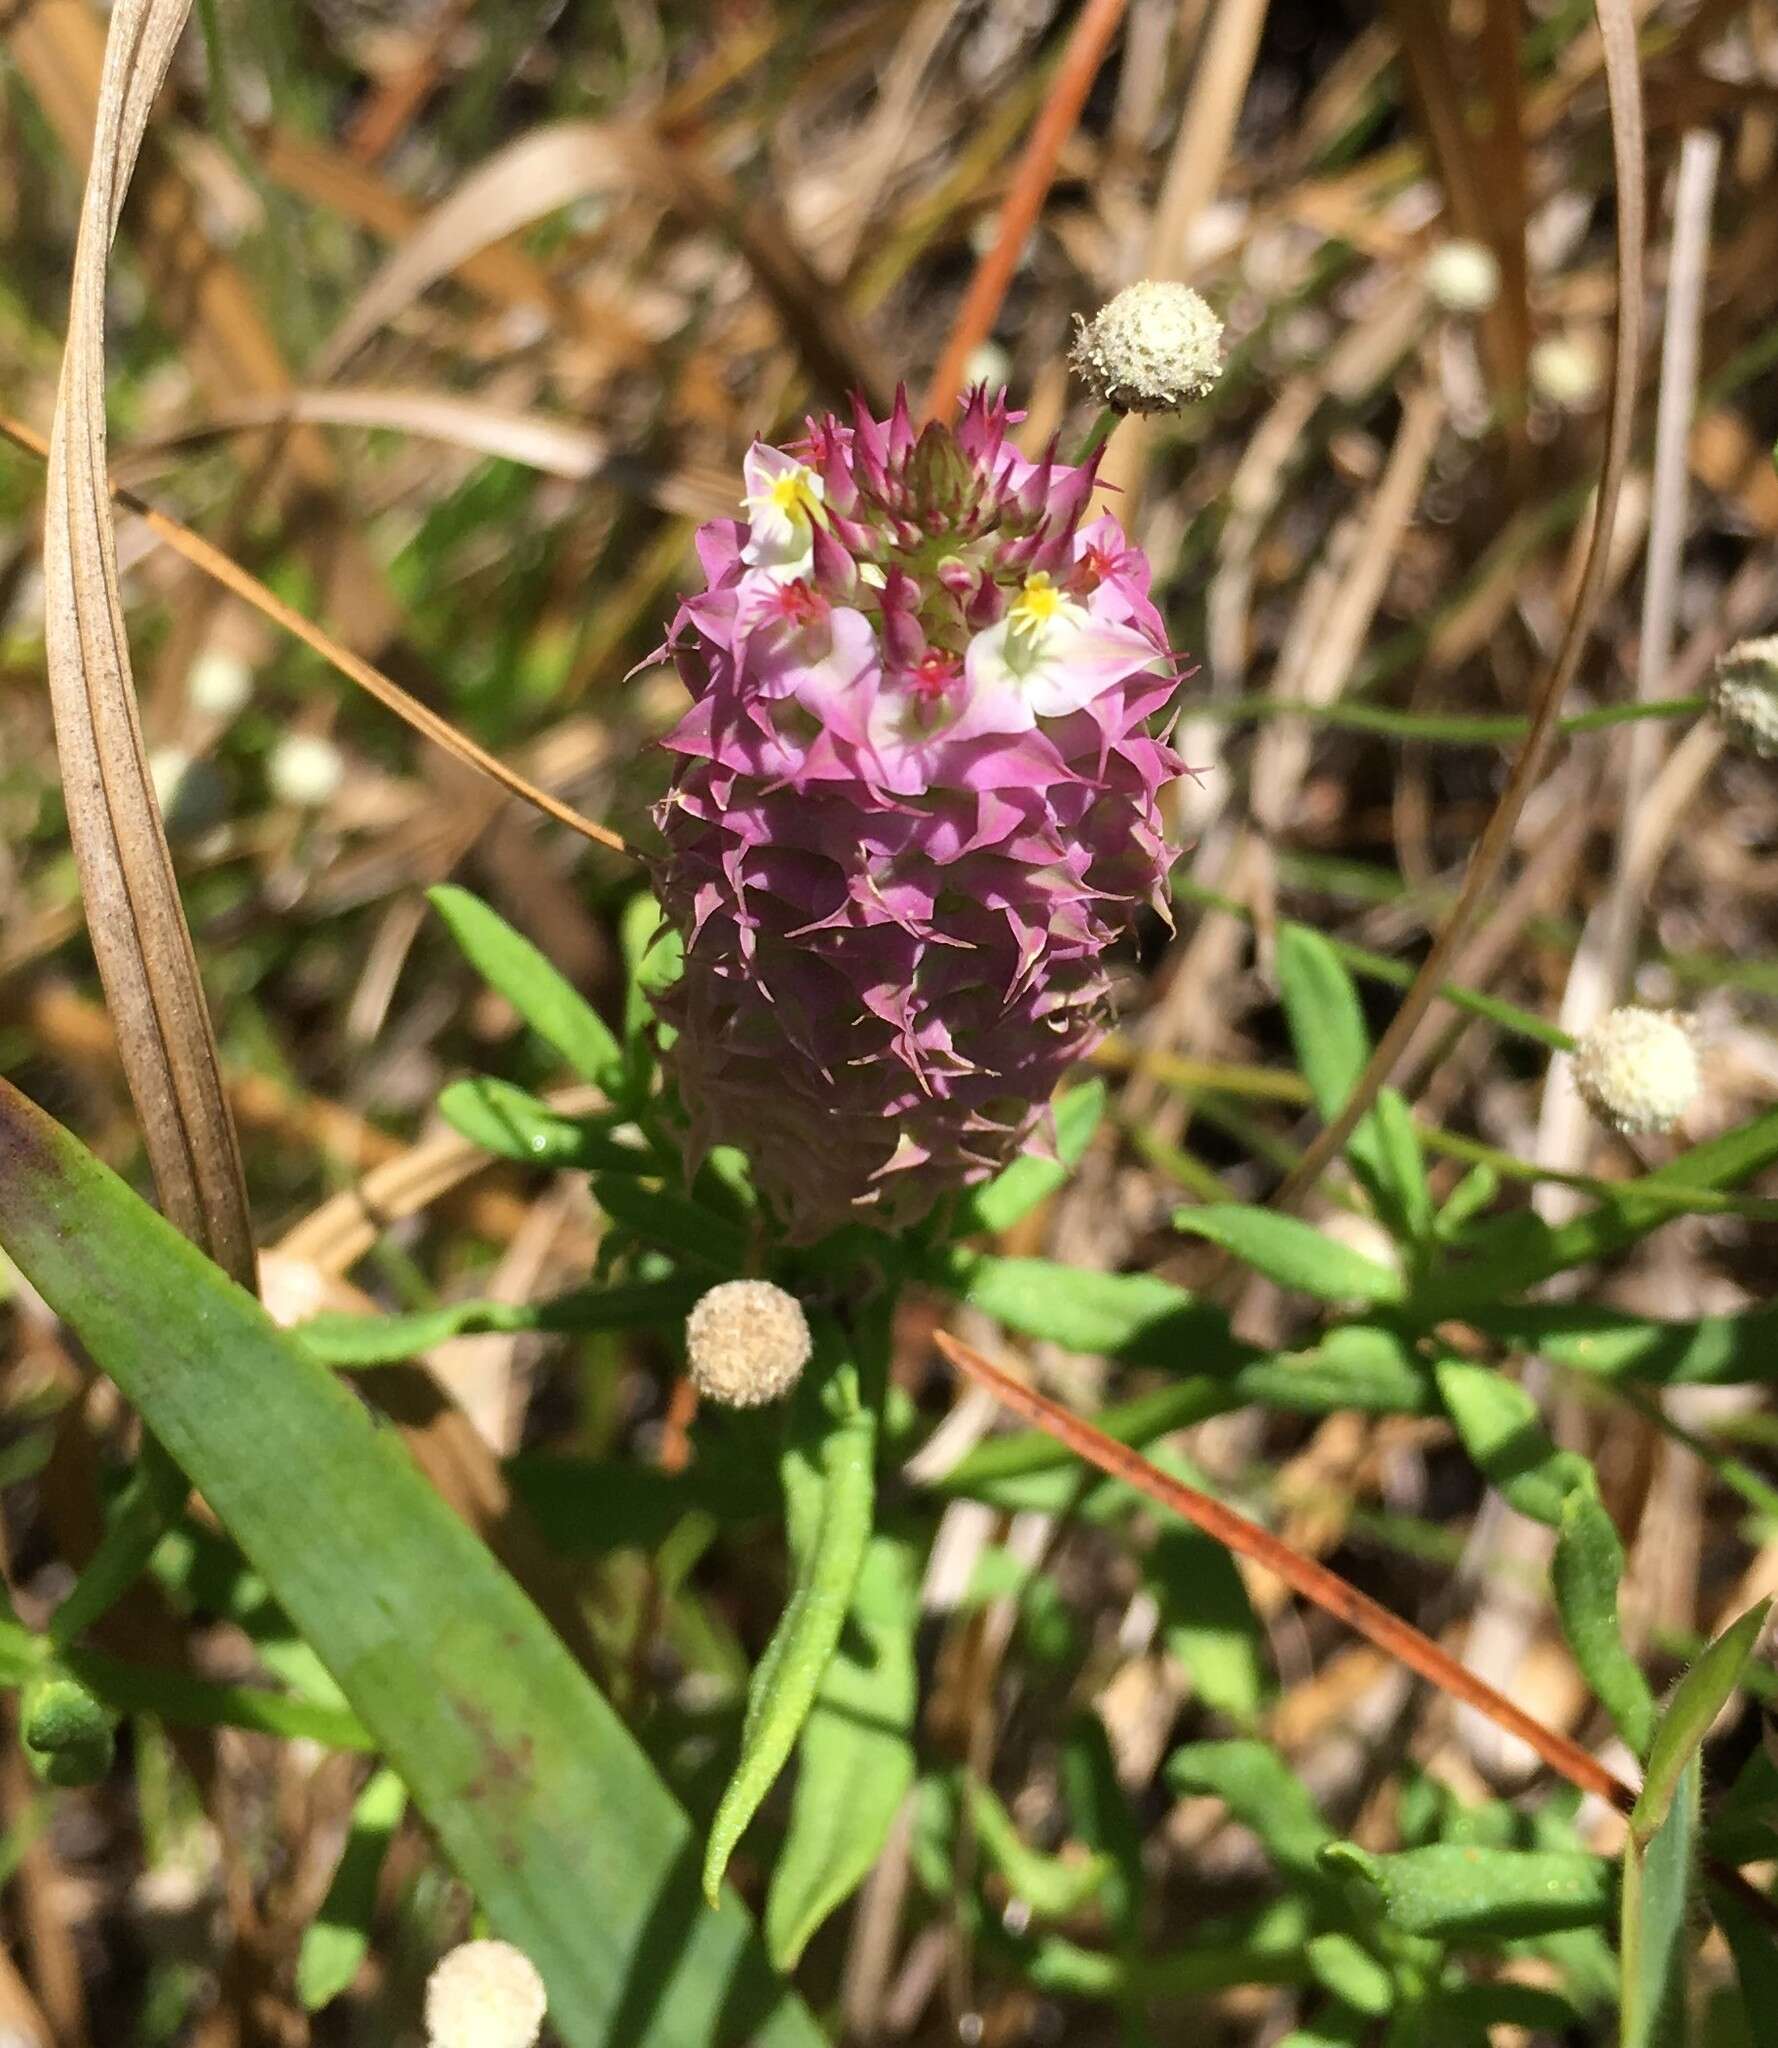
(915, 801)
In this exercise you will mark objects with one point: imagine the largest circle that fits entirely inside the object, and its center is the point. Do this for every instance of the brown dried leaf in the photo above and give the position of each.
(140, 938)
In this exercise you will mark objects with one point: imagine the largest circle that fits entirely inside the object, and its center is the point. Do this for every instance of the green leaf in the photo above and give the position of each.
(356, 1341)
(1017, 1189)
(1653, 1943)
(1207, 1620)
(1755, 1950)
(539, 992)
(1132, 1316)
(1106, 1820)
(1052, 1886)
(1457, 1892)
(1585, 1572)
(513, 1124)
(1291, 1252)
(1352, 1974)
(1262, 1792)
(534, 1788)
(1326, 1023)
(855, 1763)
(1503, 1432)
(336, 1942)
(1526, 1250)
(829, 1490)
(673, 1221)
(653, 958)
(1328, 1034)
(1616, 1345)
(1685, 1720)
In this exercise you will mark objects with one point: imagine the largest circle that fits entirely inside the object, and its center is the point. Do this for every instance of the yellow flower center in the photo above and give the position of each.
(1037, 603)
(794, 494)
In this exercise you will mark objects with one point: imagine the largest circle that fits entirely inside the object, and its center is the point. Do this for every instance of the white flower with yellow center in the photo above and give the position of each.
(783, 507)
(1046, 658)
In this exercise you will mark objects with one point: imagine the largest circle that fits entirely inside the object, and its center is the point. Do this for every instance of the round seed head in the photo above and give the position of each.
(1566, 371)
(747, 1342)
(1151, 349)
(1744, 695)
(219, 684)
(485, 1994)
(1462, 277)
(305, 770)
(1637, 1070)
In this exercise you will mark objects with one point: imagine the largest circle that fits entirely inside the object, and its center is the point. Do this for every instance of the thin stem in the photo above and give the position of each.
(1438, 729)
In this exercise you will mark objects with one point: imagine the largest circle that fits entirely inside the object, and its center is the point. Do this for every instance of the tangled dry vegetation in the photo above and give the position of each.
(449, 323)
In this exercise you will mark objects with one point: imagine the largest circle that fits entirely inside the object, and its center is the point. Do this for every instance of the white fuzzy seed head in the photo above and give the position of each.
(1462, 277)
(1637, 1070)
(305, 770)
(485, 1994)
(1566, 371)
(747, 1343)
(219, 684)
(1744, 695)
(1151, 349)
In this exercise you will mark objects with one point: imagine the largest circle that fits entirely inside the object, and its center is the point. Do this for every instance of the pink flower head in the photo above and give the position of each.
(915, 801)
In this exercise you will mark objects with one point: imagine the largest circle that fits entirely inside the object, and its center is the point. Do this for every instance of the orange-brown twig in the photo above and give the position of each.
(1327, 1590)
(366, 675)
(1024, 200)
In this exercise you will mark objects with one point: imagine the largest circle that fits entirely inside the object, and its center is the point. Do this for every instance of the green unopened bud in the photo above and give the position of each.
(67, 1733)
(1744, 695)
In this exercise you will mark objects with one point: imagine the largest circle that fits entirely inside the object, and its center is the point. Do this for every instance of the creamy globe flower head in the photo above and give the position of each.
(219, 684)
(1637, 1069)
(1566, 371)
(1153, 348)
(1462, 277)
(305, 770)
(747, 1343)
(485, 1994)
(1744, 695)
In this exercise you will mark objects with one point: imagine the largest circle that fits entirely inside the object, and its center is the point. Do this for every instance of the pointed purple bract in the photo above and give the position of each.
(915, 802)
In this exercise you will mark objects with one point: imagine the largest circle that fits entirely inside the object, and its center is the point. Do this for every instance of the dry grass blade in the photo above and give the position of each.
(1024, 200)
(1618, 34)
(537, 439)
(140, 938)
(1396, 1638)
(548, 168)
(354, 667)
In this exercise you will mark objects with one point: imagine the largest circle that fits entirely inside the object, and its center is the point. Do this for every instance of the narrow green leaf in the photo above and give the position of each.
(653, 958)
(1456, 1892)
(336, 1942)
(855, 1763)
(1755, 1950)
(1654, 1941)
(536, 1791)
(1467, 1199)
(1585, 1572)
(659, 1216)
(1106, 1819)
(1132, 1316)
(1052, 1886)
(145, 1509)
(829, 1489)
(1322, 1009)
(513, 1124)
(1713, 1350)
(355, 1341)
(541, 994)
(1262, 1792)
(1207, 1620)
(1328, 1034)
(1503, 1432)
(1685, 1720)
(1352, 1974)
(1291, 1252)
(1017, 1189)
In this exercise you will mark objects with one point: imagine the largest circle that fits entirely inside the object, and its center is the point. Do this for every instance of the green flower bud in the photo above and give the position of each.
(67, 1733)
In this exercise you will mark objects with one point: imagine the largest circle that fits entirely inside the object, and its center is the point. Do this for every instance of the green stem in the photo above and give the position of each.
(1436, 727)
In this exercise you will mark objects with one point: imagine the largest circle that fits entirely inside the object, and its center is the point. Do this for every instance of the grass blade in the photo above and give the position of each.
(537, 1791)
